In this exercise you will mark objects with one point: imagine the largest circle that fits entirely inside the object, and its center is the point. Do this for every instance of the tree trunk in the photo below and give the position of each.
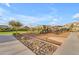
(16, 30)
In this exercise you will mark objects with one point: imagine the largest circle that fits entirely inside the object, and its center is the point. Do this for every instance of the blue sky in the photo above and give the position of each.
(39, 14)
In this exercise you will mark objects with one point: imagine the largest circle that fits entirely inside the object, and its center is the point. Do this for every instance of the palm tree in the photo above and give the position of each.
(15, 24)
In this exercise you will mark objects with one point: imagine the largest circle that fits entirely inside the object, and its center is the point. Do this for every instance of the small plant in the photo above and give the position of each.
(16, 34)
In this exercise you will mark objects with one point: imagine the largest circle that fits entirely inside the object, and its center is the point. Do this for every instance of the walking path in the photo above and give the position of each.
(70, 46)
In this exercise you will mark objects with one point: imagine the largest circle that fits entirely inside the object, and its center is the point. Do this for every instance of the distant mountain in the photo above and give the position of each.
(4, 26)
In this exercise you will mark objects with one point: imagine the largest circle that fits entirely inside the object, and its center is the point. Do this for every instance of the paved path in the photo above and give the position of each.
(11, 46)
(70, 46)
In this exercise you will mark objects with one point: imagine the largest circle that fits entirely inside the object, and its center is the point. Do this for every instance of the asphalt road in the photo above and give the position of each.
(70, 46)
(11, 46)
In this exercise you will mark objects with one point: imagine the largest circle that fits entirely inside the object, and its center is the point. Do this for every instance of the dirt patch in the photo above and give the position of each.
(54, 38)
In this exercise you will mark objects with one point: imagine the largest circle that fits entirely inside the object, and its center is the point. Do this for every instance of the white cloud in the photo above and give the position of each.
(38, 20)
(2, 11)
(76, 15)
(74, 20)
(55, 19)
(7, 4)
(29, 19)
(1, 14)
(53, 11)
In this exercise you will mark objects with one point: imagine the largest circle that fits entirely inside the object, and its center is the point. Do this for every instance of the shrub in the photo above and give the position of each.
(16, 34)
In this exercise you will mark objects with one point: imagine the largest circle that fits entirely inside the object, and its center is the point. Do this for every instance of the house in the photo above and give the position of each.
(74, 26)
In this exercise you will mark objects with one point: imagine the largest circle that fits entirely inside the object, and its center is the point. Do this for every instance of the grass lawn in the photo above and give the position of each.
(10, 33)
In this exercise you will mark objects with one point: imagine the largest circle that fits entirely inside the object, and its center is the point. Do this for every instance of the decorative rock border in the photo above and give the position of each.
(38, 46)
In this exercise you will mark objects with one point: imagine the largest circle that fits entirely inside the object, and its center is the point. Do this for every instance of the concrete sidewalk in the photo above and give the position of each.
(14, 48)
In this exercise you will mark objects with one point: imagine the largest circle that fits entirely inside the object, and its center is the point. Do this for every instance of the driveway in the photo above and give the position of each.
(11, 46)
(6, 38)
(70, 46)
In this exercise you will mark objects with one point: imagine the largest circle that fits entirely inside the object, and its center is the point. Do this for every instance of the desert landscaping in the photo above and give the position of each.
(39, 29)
(40, 45)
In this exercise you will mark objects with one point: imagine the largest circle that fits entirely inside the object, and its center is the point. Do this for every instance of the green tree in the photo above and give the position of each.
(15, 24)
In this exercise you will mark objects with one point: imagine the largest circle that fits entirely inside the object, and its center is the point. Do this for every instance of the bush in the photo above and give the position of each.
(16, 34)
(5, 29)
